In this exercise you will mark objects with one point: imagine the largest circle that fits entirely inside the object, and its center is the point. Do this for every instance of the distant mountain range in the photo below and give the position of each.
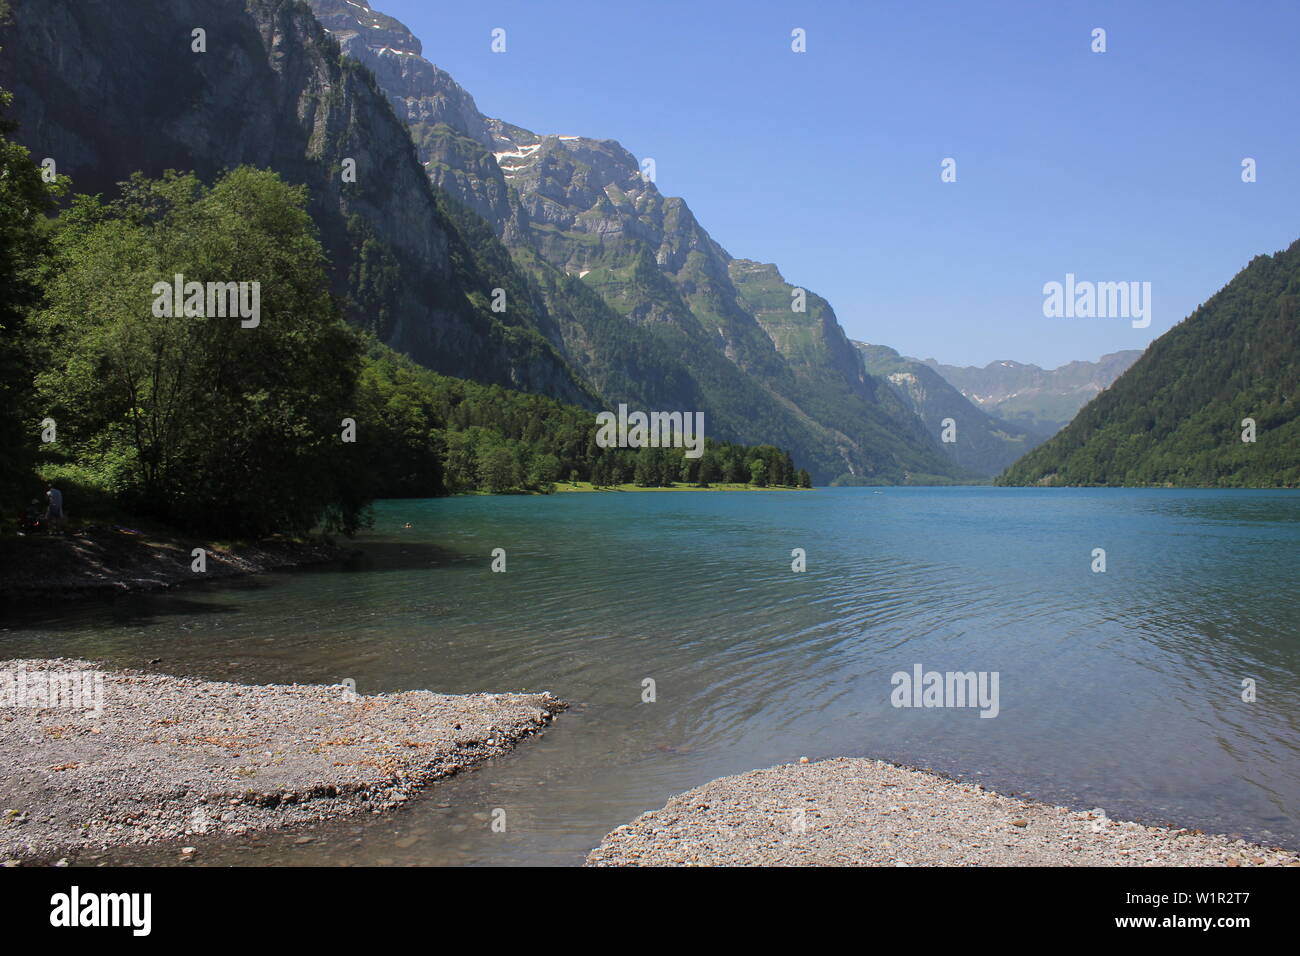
(1215, 401)
(1039, 401)
(983, 443)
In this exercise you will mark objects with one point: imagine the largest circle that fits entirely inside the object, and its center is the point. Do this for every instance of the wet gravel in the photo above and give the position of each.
(170, 757)
(862, 812)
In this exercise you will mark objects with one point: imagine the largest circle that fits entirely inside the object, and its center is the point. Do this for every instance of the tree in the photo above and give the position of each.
(460, 465)
(543, 472)
(226, 426)
(496, 465)
(735, 470)
(708, 470)
(399, 433)
(689, 469)
(25, 199)
(646, 471)
(1176, 416)
(758, 473)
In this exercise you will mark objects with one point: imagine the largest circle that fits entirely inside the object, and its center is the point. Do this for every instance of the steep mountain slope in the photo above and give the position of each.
(615, 292)
(830, 380)
(106, 94)
(580, 217)
(1176, 416)
(983, 444)
(1040, 400)
(442, 118)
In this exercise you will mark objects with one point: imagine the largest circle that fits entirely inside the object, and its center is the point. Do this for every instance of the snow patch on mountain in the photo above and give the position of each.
(523, 154)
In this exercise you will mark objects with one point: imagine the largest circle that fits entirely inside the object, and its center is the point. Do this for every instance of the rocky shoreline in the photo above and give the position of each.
(169, 757)
(862, 812)
(104, 562)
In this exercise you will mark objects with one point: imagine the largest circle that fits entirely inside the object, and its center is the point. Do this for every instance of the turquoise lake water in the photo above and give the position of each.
(1120, 690)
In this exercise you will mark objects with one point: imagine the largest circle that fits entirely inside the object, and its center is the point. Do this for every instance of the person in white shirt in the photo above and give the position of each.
(54, 507)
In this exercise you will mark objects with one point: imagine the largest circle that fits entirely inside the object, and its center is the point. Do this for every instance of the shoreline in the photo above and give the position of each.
(586, 487)
(861, 812)
(172, 757)
(104, 562)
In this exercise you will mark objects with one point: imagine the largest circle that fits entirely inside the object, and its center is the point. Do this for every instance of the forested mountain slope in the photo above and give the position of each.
(1176, 416)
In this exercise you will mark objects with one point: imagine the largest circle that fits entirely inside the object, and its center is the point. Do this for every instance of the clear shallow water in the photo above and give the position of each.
(1120, 690)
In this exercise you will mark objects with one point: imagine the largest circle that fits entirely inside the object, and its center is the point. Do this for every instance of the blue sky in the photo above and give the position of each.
(1115, 166)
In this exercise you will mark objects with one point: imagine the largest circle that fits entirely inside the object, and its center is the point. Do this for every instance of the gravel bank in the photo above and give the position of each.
(170, 757)
(860, 812)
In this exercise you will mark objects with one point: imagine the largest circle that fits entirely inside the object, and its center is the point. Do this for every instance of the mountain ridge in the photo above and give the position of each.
(1033, 398)
(85, 78)
(616, 292)
(1179, 416)
(982, 443)
(581, 207)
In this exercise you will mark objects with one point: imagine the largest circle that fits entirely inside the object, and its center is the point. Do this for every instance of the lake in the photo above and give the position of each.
(1120, 689)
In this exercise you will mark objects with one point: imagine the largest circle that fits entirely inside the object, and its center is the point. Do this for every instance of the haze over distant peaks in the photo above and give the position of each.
(1040, 400)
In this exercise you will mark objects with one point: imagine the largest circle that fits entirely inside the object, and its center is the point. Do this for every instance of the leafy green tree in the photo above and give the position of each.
(403, 448)
(25, 199)
(496, 466)
(460, 464)
(543, 472)
(758, 473)
(221, 426)
(735, 469)
(708, 470)
(646, 472)
(690, 468)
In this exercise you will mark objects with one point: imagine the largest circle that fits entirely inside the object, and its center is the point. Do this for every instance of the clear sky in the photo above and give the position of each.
(1115, 166)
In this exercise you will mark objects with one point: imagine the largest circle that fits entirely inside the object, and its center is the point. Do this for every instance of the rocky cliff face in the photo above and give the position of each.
(106, 94)
(669, 305)
(449, 132)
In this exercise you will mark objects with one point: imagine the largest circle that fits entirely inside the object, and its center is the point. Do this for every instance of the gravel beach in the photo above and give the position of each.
(169, 757)
(861, 812)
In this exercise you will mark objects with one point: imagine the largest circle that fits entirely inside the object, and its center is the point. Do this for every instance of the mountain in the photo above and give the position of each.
(983, 445)
(1176, 417)
(1038, 400)
(613, 291)
(647, 304)
(106, 95)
